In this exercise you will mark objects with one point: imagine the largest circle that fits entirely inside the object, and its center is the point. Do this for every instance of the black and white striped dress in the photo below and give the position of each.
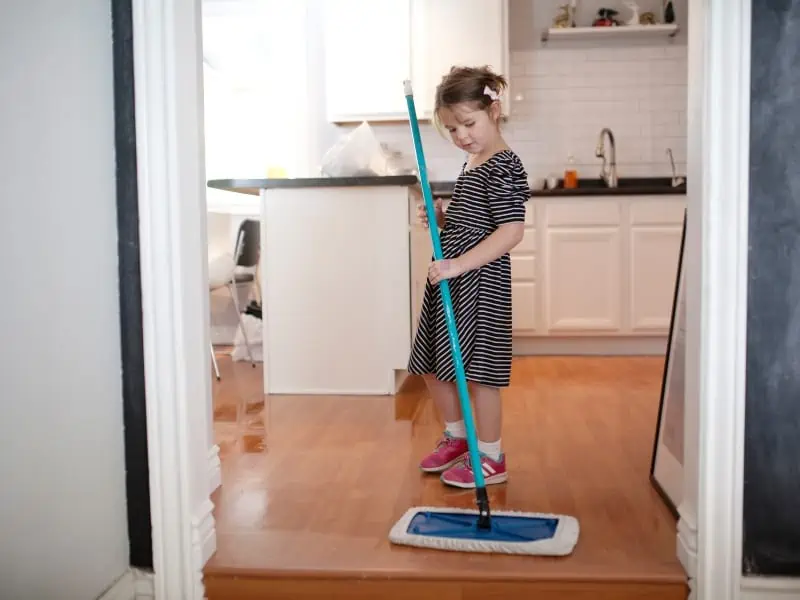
(484, 197)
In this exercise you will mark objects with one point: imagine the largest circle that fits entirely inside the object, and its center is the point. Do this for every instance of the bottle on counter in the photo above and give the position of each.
(570, 174)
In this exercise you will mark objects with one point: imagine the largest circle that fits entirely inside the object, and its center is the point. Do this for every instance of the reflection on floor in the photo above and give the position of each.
(311, 486)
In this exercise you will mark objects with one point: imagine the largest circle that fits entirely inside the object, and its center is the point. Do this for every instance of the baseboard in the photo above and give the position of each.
(133, 584)
(687, 542)
(214, 468)
(204, 535)
(769, 588)
(589, 346)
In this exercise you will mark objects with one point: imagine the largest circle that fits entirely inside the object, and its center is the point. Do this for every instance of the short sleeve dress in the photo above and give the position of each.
(484, 197)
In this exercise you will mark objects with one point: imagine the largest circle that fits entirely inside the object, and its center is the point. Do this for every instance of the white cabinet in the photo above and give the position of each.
(582, 282)
(367, 58)
(655, 242)
(372, 46)
(447, 33)
(597, 267)
(524, 300)
(588, 270)
(582, 275)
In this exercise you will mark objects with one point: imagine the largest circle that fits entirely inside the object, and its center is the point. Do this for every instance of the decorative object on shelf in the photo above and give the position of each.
(563, 18)
(634, 8)
(648, 18)
(669, 11)
(605, 18)
(666, 467)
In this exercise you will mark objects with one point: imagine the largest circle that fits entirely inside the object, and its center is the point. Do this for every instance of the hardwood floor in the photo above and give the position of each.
(312, 485)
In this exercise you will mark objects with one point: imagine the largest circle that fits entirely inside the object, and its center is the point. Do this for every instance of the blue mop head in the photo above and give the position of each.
(511, 532)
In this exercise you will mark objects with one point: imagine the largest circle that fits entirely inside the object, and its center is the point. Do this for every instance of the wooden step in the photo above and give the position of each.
(261, 588)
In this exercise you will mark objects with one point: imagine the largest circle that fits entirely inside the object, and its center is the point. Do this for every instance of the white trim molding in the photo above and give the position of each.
(723, 220)
(167, 41)
(769, 588)
(214, 469)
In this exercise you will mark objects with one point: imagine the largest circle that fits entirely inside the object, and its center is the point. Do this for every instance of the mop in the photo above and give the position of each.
(470, 530)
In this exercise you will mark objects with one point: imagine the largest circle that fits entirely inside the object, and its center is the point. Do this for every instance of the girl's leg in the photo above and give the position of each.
(452, 447)
(445, 396)
(488, 414)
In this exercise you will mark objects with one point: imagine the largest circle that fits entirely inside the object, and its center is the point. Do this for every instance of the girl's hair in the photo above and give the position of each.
(467, 84)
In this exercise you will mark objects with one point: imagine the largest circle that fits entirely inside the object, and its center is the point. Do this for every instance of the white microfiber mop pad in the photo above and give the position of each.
(560, 543)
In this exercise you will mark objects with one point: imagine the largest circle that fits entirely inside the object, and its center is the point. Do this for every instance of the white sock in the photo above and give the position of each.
(490, 449)
(455, 429)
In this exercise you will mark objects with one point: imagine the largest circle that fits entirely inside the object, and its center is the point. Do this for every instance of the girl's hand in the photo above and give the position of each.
(422, 214)
(440, 270)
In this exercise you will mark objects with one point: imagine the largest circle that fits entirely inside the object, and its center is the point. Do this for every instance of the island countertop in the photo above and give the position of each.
(254, 186)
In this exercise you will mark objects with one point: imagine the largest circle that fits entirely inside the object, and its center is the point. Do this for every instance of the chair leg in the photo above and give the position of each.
(258, 283)
(234, 297)
(214, 361)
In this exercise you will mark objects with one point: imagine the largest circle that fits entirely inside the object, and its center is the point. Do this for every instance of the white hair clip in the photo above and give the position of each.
(490, 92)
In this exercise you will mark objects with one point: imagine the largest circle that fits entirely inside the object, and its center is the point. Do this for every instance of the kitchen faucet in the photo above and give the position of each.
(608, 172)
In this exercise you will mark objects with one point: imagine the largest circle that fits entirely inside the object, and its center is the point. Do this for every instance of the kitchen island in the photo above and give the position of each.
(335, 282)
(344, 262)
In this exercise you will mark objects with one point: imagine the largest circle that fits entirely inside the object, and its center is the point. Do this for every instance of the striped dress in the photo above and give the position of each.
(484, 197)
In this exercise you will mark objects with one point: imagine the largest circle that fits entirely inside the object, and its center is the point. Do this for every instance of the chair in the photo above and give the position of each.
(225, 271)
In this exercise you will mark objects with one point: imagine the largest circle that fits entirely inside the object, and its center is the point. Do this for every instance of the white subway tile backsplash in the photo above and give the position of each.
(562, 98)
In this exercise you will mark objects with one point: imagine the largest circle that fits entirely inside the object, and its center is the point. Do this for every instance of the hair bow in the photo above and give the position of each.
(490, 92)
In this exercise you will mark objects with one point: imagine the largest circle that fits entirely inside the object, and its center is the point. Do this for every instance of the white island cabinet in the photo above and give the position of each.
(371, 47)
(335, 286)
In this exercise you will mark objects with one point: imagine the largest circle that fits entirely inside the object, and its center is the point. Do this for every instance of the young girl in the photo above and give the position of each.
(484, 221)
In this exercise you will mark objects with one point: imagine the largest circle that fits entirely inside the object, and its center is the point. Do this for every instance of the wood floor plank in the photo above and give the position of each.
(312, 485)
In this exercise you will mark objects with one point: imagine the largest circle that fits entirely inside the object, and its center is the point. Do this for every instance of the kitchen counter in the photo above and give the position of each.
(254, 186)
(627, 186)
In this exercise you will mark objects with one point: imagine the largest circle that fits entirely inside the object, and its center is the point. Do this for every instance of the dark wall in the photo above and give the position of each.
(130, 292)
(772, 430)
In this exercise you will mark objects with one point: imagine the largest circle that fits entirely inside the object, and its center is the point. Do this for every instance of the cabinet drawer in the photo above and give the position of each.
(583, 213)
(658, 211)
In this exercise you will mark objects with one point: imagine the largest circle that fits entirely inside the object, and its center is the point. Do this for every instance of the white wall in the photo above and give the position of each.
(63, 531)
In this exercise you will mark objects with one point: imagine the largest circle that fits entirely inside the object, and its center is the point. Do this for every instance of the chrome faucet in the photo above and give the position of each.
(608, 172)
(676, 181)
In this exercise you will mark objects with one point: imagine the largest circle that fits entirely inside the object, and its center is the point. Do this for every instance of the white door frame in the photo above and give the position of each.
(168, 85)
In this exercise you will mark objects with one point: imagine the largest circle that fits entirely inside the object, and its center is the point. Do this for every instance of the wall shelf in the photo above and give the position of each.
(619, 32)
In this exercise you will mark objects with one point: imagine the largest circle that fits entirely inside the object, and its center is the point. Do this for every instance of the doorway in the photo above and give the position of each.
(167, 37)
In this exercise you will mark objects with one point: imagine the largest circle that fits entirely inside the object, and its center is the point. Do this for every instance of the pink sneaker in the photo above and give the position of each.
(461, 475)
(449, 450)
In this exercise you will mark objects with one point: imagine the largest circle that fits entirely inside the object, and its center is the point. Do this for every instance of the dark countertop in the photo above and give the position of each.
(254, 186)
(627, 186)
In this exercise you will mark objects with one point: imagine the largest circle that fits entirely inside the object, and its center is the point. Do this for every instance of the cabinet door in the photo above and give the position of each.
(447, 33)
(583, 279)
(367, 58)
(653, 271)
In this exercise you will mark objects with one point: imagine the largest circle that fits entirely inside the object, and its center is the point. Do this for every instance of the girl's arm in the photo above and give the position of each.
(501, 241)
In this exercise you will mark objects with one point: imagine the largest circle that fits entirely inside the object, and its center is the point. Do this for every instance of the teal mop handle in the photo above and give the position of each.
(461, 378)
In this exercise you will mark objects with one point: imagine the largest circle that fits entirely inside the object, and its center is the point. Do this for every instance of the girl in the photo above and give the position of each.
(484, 221)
